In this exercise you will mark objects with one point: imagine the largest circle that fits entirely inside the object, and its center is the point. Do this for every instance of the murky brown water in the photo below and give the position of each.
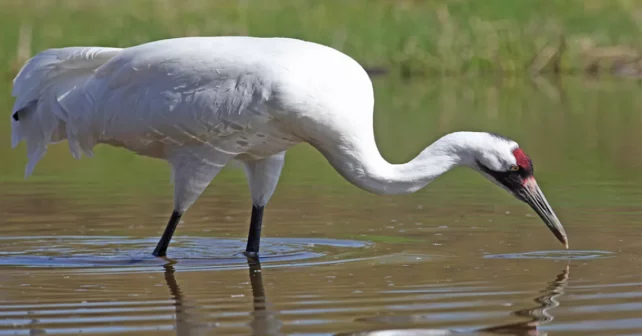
(460, 256)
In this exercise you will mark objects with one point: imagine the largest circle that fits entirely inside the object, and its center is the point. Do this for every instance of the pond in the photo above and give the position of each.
(458, 257)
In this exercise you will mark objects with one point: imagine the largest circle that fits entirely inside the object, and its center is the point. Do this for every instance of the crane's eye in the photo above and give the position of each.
(513, 168)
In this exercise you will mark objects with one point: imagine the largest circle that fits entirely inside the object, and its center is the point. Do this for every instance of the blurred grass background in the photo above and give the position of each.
(403, 36)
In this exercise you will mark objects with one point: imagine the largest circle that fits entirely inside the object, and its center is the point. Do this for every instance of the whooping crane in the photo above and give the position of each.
(200, 102)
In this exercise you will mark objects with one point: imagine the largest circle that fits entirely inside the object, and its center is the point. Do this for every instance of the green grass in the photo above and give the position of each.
(407, 37)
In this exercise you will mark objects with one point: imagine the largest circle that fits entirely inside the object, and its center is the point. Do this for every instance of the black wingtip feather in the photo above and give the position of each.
(31, 105)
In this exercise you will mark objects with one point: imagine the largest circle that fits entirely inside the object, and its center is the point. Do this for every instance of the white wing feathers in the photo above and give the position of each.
(146, 98)
(40, 85)
(179, 105)
(55, 66)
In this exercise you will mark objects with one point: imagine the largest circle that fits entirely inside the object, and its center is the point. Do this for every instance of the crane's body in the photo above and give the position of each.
(201, 102)
(249, 100)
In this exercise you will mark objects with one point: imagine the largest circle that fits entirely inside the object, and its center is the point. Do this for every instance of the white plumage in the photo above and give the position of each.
(200, 102)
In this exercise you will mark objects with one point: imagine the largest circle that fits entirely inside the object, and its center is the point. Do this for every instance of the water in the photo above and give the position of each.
(459, 257)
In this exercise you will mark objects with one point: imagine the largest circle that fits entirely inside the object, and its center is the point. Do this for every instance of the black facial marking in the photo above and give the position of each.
(513, 180)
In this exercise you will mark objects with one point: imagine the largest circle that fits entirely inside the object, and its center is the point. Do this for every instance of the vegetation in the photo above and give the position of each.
(403, 36)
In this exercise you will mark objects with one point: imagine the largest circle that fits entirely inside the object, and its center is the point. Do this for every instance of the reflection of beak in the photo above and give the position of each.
(532, 195)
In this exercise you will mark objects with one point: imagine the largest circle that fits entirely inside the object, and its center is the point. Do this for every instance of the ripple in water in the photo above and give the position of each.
(127, 253)
(557, 255)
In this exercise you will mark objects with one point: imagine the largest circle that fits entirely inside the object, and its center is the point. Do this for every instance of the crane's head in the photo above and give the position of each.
(504, 163)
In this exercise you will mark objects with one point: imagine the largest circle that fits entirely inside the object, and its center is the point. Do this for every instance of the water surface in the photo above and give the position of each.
(459, 257)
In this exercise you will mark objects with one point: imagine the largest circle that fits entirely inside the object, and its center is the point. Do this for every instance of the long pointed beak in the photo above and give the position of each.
(533, 195)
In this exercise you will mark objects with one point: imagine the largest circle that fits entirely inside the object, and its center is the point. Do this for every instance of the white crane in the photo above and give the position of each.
(200, 102)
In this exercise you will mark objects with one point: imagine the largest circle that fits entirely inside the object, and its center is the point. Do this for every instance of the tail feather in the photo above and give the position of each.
(48, 106)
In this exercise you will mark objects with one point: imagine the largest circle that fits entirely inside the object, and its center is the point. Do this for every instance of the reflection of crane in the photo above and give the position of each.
(187, 317)
(537, 316)
(264, 320)
(203, 101)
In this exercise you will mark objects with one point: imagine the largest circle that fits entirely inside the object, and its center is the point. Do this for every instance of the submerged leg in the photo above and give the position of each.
(163, 243)
(263, 176)
(193, 169)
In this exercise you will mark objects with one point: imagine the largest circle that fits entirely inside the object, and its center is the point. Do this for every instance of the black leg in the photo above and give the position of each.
(254, 237)
(163, 243)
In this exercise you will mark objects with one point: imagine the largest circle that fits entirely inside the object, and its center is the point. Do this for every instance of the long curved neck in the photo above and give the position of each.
(362, 164)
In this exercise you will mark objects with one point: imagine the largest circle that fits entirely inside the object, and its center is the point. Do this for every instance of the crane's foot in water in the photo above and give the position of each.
(251, 255)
